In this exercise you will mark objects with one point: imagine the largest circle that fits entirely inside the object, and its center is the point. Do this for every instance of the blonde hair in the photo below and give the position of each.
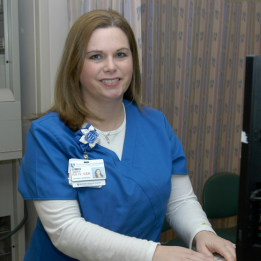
(68, 99)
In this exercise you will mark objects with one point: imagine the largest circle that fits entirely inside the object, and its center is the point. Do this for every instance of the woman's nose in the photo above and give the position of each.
(110, 65)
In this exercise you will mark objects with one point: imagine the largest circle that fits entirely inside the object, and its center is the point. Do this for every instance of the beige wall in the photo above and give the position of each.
(43, 26)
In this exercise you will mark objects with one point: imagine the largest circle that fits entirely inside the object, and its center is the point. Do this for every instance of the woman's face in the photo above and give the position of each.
(98, 173)
(108, 66)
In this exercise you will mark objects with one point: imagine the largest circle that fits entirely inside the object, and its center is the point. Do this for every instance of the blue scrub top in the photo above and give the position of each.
(133, 202)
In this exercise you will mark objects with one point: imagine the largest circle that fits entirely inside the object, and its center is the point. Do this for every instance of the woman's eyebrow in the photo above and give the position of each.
(94, 51)
(99, 51)
(123, 48)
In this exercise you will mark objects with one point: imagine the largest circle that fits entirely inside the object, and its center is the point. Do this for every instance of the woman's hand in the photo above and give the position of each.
(175, 253)
(208, 243)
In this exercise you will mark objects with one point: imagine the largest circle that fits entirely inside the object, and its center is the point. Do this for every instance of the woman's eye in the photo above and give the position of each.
(121, 55)
(96, 57)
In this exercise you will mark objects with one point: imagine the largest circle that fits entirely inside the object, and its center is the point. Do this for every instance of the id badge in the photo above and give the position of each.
(86, 173)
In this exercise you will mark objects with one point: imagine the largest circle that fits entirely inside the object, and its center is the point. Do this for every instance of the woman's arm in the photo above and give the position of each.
(184, 213)
(186, 217)
(75, 237)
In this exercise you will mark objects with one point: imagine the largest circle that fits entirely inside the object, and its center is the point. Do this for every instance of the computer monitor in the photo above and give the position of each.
(248, 246)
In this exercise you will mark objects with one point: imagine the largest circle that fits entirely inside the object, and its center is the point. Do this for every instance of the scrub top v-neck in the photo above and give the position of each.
(133, 202)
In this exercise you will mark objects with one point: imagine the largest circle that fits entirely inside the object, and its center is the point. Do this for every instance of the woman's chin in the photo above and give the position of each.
(113, 97)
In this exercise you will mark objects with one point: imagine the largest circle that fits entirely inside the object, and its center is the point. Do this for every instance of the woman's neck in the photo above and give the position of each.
(112, 115)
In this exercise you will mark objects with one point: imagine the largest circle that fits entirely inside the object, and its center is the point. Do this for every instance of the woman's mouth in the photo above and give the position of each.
(110, 81)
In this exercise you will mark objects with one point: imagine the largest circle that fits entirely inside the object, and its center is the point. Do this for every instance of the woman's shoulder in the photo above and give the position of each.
(150, 118)
(47, 119)
(50, 121)
(147, 111)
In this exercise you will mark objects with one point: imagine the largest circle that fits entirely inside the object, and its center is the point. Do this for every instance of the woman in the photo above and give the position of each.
(98, 119)
(98, 173)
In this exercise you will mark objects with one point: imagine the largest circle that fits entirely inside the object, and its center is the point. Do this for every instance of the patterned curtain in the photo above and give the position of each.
(193, 71)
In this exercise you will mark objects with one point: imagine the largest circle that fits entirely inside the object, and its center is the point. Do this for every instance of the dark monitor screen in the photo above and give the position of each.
(249, 207)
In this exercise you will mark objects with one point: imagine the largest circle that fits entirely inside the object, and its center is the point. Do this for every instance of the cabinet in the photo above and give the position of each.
(11, 203)
(10, 105)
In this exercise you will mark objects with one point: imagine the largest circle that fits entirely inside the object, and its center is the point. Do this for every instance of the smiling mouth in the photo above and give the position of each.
(110, 81)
